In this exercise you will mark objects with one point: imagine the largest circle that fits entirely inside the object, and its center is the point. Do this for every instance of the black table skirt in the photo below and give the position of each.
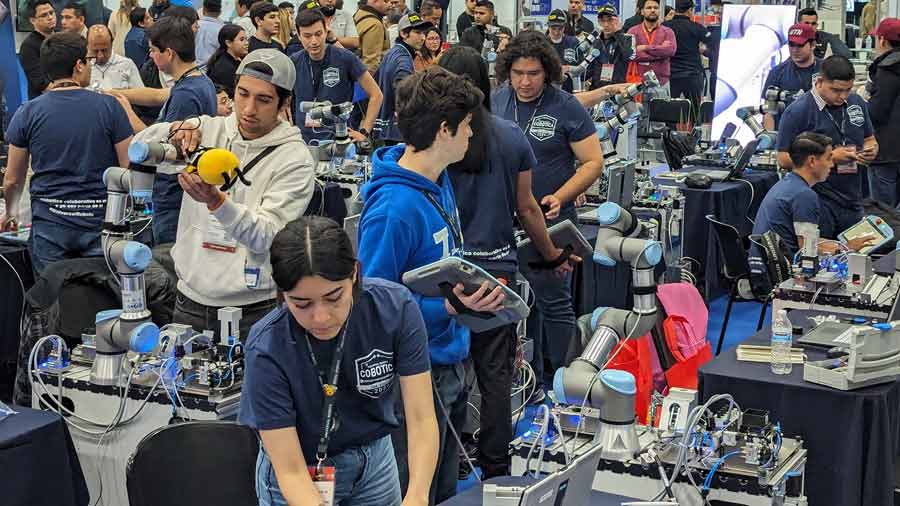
(11, 311)
(38, 462)
(729, 202)
(852, 437)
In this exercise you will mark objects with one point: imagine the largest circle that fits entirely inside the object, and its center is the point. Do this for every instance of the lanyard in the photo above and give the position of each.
(842, 127)
(457, 235)
(165, 108)
(533, 113)
(316, 77)
(650, 35)
(329, 390)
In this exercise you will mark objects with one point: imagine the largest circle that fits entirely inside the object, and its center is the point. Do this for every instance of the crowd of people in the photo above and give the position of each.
(461, 162)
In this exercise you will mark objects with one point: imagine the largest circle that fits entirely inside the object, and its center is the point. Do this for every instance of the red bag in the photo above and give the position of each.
(635, 358)
(633, 76)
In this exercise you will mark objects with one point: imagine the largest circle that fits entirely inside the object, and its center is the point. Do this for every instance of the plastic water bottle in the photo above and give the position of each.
(722, 149)
(782, 332)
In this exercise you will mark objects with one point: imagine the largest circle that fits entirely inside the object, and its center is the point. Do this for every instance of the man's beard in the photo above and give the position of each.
(328, 11)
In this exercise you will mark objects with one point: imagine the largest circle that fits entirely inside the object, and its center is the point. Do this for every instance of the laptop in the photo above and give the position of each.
(735, 171)
(581, 477)
(546, 492)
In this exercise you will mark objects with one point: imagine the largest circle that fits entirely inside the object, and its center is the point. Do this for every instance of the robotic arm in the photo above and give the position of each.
(129, 328)
(627, 109)
(776, 101)
(337, 114)
(577, 72)
(585, 381)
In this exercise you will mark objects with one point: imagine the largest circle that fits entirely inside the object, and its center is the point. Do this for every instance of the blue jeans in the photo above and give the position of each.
(552, 324)
(51, 242)
(449, 384)
(364, 476)
(883, 183)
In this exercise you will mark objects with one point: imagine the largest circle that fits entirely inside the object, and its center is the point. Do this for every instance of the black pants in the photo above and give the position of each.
(201, 317)
(493, 356)
(691, 88)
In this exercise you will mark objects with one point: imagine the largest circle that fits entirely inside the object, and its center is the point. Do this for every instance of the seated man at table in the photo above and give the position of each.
(792, 201)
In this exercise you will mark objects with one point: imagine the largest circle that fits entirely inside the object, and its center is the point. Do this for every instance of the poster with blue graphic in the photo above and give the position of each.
(12, 82)
(592, 6)
(536, 7)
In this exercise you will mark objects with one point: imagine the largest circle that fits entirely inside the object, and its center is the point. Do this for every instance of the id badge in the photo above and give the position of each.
(847, 168)
(217, 238)
(312, 123)
(324, 483)
(251, 277)
(606, 72)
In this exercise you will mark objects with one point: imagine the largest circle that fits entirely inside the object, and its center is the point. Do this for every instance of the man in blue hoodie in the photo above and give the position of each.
(397, 64)
(410, 220)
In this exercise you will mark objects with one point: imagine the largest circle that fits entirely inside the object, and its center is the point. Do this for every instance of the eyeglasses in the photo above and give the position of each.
(796, 46)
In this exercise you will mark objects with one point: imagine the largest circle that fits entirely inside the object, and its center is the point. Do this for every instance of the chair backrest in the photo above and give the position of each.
(731, 245)
(192, 463)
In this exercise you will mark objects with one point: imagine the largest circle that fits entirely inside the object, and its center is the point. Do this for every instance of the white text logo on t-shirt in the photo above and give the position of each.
(856, 115)
(331, 76)
(569, 55)
(374, 373)
(543, 127)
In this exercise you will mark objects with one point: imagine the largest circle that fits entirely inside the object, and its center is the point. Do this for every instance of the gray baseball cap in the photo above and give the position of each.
(283, 71)
(413, 20)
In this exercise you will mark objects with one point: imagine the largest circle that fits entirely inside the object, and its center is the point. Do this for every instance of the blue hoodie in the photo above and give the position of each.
(401, 230)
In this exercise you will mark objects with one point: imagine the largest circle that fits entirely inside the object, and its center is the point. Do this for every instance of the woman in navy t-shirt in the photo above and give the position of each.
(331, 357)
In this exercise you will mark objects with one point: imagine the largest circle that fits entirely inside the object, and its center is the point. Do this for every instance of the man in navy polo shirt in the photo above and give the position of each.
(560, 132)
(833, 110)
(326, 72)
(797, 73)
(397, 64)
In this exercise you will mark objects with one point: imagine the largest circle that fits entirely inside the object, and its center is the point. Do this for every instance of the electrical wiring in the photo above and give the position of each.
(708, 482)
(22, 287)
(752, 196)
(541, 437)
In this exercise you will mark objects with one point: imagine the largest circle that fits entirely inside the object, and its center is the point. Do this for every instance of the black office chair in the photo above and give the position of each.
(192, 463)
(735, 268)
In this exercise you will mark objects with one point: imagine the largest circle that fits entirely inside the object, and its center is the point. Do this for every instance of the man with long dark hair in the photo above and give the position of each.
(560, 132)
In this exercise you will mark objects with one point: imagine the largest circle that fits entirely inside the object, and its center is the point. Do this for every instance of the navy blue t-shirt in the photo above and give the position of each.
(568, 52)
(487, 201)
(846, 125)
(331, 79)
(386, 339)
(551, 123)
(71, 137)
(788, 76)
(191, 96)
(790, 201)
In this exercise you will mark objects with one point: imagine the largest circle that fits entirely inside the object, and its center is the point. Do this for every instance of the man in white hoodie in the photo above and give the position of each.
(221, 252)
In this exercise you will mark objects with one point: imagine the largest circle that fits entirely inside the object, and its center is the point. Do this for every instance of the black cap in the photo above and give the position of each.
(607, 10)
(557, 18)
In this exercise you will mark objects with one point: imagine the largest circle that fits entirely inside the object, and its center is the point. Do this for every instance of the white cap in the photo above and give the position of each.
(284, 74)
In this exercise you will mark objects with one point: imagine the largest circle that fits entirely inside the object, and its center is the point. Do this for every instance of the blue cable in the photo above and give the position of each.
(708, 481)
